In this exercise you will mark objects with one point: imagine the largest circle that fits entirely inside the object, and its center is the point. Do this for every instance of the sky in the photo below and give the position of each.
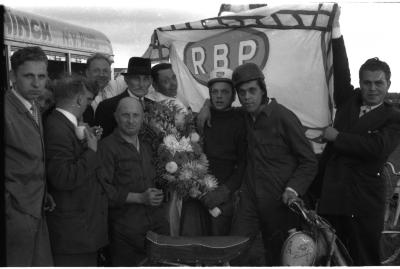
(370, 28)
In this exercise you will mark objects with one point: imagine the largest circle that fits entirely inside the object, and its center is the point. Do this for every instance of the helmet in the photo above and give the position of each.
(220, 74)
(246, 72)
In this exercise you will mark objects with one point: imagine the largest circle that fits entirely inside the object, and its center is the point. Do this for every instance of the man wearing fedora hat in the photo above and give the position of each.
(138, 79)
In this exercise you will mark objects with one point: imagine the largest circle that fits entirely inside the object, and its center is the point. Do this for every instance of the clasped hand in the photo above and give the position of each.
(152, 197)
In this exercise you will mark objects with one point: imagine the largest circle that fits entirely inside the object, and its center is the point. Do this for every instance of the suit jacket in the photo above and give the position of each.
(25, 181)
(79, 222)
(88, 116)
(278, 153)
(104, 115)
(351, 165)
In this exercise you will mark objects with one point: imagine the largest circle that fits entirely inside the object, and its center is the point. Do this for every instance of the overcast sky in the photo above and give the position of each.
(371, 29)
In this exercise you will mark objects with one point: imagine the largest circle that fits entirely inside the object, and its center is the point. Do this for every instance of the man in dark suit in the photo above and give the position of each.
(138, 80)
(78, 226)
(280, 164)
(27, 238)
(98, 70)
(365, 131)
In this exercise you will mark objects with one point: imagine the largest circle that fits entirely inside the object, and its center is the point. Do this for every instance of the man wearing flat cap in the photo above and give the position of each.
(138, 79)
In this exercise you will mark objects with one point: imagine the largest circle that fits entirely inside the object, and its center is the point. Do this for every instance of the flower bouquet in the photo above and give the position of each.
(185, 166)
(182, 167)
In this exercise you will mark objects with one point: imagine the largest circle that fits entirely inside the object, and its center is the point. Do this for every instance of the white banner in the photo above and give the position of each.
(291, 44)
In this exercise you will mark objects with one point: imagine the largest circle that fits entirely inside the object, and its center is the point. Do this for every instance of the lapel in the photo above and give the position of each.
(23, 110)
(369, 121)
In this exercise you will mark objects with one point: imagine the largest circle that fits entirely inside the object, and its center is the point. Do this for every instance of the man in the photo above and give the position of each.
(365, 131)
(78, 226)
(138, 80)
(98, 70)
(165, 85)
(280, 164)
(27, 239)
(225, 147)
(135, 204)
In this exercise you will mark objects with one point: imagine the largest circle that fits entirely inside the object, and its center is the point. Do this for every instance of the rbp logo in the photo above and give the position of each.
(229, 50)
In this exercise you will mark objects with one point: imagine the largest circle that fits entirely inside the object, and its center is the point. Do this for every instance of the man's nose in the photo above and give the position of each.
(373, 87)
(35, 82)
(131, 119)
(141, 82)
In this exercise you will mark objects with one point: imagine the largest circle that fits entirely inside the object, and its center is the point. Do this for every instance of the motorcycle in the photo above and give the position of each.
(316, 244)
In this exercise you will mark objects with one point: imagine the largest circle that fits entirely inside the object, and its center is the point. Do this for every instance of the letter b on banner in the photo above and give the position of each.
(228, 50)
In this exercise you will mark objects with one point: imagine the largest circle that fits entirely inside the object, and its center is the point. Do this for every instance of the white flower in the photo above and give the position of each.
(171, 167)
(194, 192)
(210, 182)
(171, 143)
(194, 137)
(186, 174)
(184, 144)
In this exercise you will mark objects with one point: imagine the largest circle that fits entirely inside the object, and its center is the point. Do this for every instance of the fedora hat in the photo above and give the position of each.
(138, 66)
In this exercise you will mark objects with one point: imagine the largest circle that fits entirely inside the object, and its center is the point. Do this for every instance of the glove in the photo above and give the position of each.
(216, 197)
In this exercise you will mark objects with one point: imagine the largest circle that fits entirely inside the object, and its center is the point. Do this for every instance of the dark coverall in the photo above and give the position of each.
(130, 171)
(278, 156)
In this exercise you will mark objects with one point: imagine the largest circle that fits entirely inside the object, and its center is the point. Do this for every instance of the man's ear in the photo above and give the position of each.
(389, 83)
(79, 99)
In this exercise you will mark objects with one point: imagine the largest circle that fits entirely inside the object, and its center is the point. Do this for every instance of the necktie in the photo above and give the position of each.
(364, 110)
(35, 112)
(141, 99)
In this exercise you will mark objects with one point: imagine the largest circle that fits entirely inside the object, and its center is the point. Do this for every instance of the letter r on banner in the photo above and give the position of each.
(198, 57)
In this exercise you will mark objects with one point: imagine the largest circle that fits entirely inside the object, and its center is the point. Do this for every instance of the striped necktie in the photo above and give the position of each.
(35, 112)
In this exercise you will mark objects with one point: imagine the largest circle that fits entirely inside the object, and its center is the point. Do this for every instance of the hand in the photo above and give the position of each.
(288, 195)
(152, 197)
(49, 203)
(97, 131)
(216, 197)
(330, 134)
(91, 140)
(204, 116)
(336, 18)
(336, 25)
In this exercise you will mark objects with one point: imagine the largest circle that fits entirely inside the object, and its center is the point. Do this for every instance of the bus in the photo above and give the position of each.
(67, 46)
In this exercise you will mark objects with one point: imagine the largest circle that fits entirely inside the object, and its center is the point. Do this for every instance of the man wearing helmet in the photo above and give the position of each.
(280, 163)
(225, 147)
